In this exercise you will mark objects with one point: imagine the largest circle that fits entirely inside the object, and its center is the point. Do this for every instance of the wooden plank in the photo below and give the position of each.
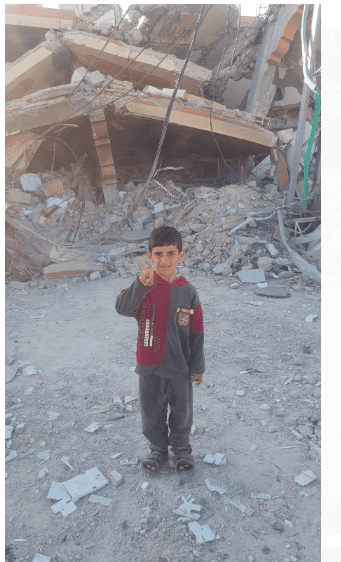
(71, 269)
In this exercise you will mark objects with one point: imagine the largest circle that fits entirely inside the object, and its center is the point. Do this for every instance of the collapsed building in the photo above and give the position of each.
(86, 100)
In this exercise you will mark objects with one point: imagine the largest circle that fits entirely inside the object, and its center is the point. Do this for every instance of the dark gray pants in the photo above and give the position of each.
(155, 394)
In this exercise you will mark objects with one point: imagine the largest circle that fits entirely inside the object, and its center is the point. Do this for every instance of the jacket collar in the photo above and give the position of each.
(179, 282)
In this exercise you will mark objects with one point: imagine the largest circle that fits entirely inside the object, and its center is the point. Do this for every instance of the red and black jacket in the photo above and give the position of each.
(170, 339)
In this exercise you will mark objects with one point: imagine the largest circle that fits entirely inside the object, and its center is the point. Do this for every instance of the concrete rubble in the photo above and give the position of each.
(67, 197)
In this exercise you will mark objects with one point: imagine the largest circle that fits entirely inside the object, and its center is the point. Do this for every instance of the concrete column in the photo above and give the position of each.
(261, 91)
(297, 149)
(103, 148)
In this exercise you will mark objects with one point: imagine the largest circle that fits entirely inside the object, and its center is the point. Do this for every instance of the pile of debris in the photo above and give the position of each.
(73, 196)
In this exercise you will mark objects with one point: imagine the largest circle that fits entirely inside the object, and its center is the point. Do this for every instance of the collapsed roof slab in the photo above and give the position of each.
(237, 131)
(116, 55)
(45, 66)
(30, 15)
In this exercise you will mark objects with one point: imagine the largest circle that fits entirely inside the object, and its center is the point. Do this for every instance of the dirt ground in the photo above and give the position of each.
(84, 352)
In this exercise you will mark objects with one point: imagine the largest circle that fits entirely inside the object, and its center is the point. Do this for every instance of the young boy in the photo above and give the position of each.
(169, 351)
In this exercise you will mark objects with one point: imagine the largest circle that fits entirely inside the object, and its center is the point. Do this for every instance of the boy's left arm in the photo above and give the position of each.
(196, 361)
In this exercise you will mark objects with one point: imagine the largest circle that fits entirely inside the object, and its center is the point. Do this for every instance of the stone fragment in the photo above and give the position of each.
(240, 392)
(276, 235)
(95, 78)
(93, 427)
(264, 263)
(197, 227)
(159, 222)
(305, 477)
(43, 472)
(58, 491)
(116, 477)
(271, 249)
(199, 248)
(95, 275)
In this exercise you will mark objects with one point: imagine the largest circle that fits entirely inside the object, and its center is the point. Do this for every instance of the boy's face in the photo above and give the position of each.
(167, 258)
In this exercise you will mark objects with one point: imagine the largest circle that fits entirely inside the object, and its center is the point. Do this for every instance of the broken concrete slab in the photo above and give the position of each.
(305, 477)
(251, 276)
(202, 533)
(89, 48)
(100, 499)
(71, 269)
(215, 487)
(215, 459)
(132, 236)
(58, 491)
(93, 427)
(41, 558)
(17, 196)
(42, 67)
(277, 292)
(64, 506)
(237, 503)
(84, 484)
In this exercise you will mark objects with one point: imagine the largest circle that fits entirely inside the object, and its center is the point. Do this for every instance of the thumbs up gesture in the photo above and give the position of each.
(147, 276)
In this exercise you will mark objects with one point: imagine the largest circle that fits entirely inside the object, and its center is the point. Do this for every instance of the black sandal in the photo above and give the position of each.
(156, 459)
(183, 457)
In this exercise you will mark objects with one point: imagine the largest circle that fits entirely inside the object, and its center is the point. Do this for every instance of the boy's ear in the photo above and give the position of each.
(149, 256)
(181, 255)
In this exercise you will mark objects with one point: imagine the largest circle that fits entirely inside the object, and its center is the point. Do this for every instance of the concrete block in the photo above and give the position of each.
(52, 188)
(71, 269)
(17, 196)
(84, 484)
(30, 182)
(251, 276)
(222, 267)
(17, 285)
(285, 136)
(95, 78)
(78, 75)
(265, 263)
(271, 249)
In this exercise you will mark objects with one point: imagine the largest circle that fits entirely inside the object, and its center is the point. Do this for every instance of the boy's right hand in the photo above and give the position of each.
(147, 277)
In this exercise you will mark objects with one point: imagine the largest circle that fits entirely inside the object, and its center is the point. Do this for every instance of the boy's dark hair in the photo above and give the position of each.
(165, 236)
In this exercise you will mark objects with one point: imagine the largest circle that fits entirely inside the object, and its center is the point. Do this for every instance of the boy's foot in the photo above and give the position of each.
(184, 462)
(154, 462)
